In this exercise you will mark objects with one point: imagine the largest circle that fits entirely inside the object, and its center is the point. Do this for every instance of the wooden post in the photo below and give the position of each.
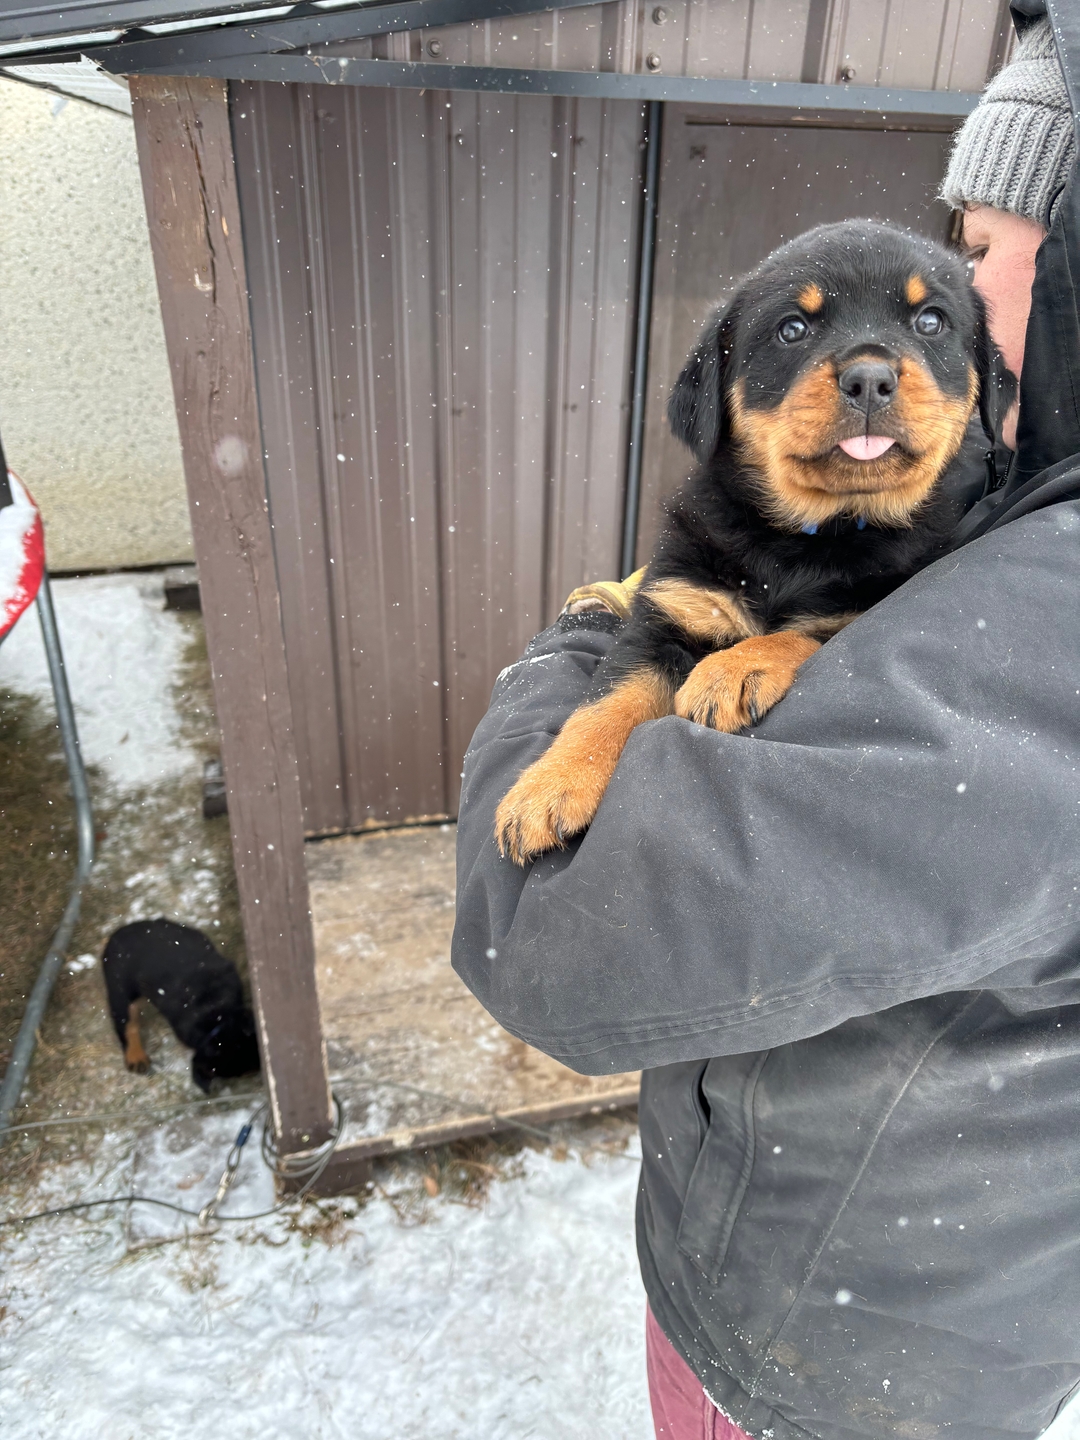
(189, 184)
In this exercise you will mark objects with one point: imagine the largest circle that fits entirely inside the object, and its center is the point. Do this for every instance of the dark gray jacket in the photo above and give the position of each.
(846, 951)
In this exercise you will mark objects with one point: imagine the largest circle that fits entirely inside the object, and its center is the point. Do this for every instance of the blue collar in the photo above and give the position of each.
(860, 524)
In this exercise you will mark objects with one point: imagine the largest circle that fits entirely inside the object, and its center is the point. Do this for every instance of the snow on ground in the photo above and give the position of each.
(121, 651)
(523, 1318)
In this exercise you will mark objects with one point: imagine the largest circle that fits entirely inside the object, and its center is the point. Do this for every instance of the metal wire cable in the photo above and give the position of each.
(309, 1169)
(508, 1122)
(135, 1117)
(456, 1102)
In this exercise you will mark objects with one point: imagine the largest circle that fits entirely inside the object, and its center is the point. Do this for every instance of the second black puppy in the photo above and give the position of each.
(824, 403)
(196, 989)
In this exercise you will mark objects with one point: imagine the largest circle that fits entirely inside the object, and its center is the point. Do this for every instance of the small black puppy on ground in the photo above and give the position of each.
(824, 404)
(197, 990)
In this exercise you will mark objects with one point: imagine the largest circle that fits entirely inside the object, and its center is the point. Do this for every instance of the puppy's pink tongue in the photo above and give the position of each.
(866, 447)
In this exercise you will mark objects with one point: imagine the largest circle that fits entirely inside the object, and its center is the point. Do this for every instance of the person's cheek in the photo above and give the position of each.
(1000, 285)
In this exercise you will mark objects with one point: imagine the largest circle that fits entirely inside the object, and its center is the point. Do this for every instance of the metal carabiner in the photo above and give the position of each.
(206, 1214)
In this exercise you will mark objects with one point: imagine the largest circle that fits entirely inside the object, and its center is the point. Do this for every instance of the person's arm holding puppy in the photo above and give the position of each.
(901, 825)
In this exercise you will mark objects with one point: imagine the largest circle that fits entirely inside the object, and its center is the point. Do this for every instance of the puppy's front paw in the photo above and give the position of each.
(558, 795)
(548, 806)
(737, 687)
(139, 1066)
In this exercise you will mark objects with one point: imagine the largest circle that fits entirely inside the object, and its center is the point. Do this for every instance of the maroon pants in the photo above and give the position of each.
(681, 1409)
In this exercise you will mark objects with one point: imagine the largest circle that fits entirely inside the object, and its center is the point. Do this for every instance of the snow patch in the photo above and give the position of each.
(524, 1318)
(122, 651)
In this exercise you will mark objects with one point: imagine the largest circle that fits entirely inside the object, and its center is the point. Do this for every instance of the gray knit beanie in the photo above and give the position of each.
(1015, 151)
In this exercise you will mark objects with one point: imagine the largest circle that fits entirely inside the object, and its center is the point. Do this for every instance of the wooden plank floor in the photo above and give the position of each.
(415, 1058)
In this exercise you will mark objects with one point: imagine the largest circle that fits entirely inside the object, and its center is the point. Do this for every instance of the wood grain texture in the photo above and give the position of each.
(351, 1168)
(189, 184)
(415, 1057)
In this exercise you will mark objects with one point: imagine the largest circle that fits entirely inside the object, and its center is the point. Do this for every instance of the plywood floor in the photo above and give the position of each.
(414, 1057)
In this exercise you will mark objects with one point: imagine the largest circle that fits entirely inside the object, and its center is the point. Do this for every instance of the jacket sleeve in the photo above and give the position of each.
(906, 822)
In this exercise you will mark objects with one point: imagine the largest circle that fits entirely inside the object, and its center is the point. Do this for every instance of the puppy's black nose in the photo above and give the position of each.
(869, 384)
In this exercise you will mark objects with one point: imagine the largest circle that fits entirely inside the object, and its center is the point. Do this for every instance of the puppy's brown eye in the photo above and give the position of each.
(929, 322)
(792, 329)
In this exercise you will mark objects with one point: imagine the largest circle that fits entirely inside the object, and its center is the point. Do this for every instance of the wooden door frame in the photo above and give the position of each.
(184, 141)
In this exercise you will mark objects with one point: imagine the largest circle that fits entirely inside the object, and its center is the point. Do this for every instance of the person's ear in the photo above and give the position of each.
(997, 384)
(697, 406)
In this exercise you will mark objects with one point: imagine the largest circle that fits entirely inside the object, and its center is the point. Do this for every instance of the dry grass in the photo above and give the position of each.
(326, 1221)
(156, 856)
(37, 850)
(464, 1171)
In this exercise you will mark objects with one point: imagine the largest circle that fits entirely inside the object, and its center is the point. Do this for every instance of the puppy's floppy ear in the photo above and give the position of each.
(697, 406)
(997, 384)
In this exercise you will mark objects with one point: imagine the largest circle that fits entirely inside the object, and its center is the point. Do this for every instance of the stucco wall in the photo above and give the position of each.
(86, 407)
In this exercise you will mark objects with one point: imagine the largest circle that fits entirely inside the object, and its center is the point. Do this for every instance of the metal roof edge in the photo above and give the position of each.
(865, 101)
(66, 22)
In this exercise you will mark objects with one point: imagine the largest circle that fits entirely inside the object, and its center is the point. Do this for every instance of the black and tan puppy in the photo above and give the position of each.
(824, 404)
(196, 989)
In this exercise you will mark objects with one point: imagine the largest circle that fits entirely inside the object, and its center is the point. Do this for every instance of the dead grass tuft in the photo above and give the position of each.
(37, 850)
(462, 1173)
(197, 1268)
(156, 856)
(327, 1221)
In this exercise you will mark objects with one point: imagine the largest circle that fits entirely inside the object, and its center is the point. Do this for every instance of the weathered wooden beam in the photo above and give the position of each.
(351, 1166)
(189, 184)
(464, 1127)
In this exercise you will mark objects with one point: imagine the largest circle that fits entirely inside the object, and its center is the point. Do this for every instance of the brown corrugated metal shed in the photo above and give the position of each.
(443, 290)
(442, 298)
(427, 269)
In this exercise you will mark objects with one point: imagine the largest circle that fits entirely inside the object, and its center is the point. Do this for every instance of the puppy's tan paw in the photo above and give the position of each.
(548, 806)
(557, 796)
(139, 1066)
(737, 687)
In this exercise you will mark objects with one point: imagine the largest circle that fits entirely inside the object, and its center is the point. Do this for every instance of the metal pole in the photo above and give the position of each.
(5, 484)
(21, 1055)
(653, 120)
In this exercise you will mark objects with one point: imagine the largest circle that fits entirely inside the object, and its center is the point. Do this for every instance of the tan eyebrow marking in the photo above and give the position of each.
(810, 298)
(916, 290)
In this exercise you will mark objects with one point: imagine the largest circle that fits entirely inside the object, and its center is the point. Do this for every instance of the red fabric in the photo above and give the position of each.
(681, 1409)
(22, 554)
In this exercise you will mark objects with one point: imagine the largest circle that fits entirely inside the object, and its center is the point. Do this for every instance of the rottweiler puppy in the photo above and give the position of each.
(196, 989)
(824, 404)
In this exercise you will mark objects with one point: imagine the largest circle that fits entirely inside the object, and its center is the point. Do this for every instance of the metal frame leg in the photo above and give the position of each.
(21, 1055)
(654, 117)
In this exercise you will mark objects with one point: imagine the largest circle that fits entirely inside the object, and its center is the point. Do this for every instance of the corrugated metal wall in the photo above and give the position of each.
(925, 44)
(442, 300)
(931, 44)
